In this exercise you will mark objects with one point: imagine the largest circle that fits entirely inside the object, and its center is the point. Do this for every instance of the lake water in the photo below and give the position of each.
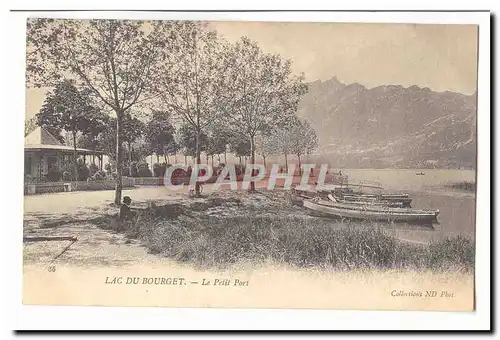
(407, 179)
(457, 207)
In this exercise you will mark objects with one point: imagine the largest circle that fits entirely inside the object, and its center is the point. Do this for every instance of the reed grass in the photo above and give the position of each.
(462, 185)
(292, 240)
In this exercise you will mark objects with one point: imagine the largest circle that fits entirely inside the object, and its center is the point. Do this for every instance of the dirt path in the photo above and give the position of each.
(79, 214)
(86, 215)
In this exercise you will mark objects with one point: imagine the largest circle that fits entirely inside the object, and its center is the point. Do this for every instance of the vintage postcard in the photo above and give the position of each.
(250, 164)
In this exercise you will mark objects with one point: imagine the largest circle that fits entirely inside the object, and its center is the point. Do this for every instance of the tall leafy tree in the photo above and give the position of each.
(257, 92)
(39, 37)
(240, 147)
(303, 139)
(114, 59)
(284, 138)
(265, 145)
(216, 145)
(171, 148)
(160, 133)
(189, 143)
(189, 78)
(67, 108)
(133, 129)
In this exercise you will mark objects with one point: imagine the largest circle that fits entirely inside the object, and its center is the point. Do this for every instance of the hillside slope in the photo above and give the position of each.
(391, 126)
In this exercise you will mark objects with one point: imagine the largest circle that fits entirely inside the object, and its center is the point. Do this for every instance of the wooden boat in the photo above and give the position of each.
(420, 174)
(382, 199)
(372, 213)
(390, 200)
(370, 201)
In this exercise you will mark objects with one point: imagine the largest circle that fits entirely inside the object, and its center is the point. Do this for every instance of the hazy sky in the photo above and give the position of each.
(441, 57)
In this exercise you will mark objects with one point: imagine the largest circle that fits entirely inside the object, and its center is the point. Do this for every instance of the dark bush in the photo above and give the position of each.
(133, 172)
(54, 174)
(143, 170)
(108, 168)
(126, 171)
(93, 169)
(83, 170)
(159, 169)
(99, 176)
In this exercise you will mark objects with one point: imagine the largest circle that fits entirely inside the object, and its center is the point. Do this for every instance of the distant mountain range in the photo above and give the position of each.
(391, 126)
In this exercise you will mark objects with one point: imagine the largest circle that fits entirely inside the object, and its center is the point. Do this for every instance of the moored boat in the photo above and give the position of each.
(370, 201)
(346, 195)
(384, 199)
(389, 199)
(372, 212)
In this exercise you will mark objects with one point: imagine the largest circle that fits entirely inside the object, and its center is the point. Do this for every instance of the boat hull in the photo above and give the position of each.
(391, 200)
(373, 213)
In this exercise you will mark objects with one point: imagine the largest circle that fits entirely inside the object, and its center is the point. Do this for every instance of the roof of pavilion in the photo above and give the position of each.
(40, 139)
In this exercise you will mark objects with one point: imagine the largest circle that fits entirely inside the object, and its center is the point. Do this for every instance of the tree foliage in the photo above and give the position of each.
(302, 139)
(188, 85)
(66, 108)
(30, 125)
(223, 94)
(265, 145)
(114, 59)
(160, 133)
(187, 140)
(258, 91)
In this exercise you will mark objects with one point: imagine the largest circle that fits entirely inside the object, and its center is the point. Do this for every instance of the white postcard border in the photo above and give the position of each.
(46, 317)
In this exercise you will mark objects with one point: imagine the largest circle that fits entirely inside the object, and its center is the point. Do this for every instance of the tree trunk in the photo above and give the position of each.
(119, 157)
(198, 160)
(185, 160)
(264, 157)
(300, 169)
(129, 159)
(157, 158)
(225, 157)
(286, 162)
(212, 161)
(240, 160)
(252, 162)
(165, 159)
(75, 163)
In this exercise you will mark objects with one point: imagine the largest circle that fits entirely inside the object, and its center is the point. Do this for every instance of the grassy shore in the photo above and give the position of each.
(462, 185)
(297, 241)
(218, 233)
